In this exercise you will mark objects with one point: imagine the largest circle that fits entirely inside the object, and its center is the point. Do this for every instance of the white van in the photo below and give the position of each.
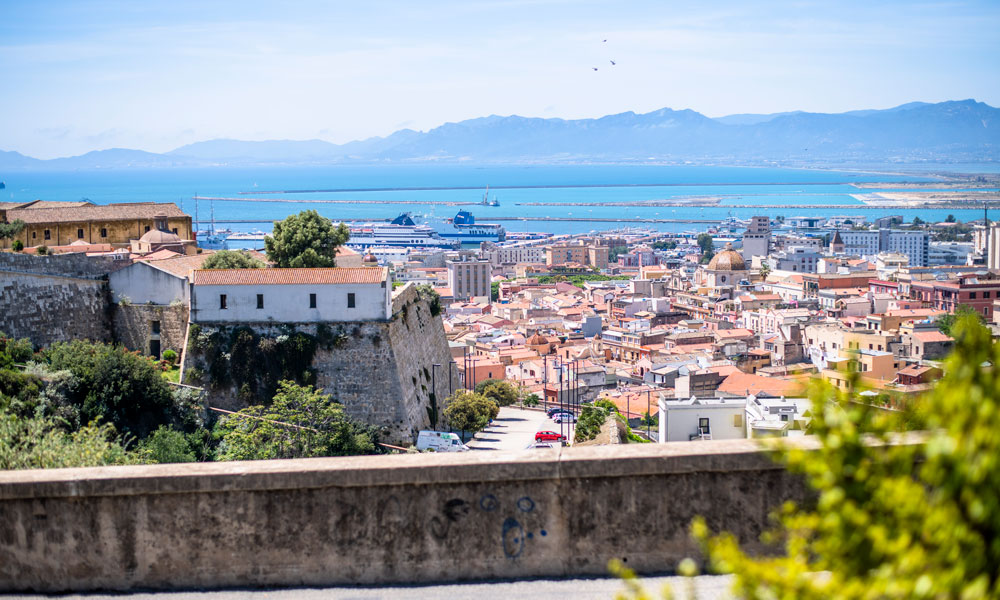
(440, 441)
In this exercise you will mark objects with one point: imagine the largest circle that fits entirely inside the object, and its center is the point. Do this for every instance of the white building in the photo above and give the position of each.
(147, 283)
(796, 259)
(290, 295)
(512, 254)
(469, 278)
(914, 244)
(701, 419)
(757, 238)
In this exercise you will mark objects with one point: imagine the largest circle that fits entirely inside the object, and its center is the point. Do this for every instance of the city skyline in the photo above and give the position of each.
(155, 77)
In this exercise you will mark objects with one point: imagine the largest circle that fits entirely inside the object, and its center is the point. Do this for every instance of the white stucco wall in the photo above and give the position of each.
(142, 284)
(290, 303)
(678, 421)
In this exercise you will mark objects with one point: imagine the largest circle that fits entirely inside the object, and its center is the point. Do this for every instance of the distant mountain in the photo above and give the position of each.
(963, 130)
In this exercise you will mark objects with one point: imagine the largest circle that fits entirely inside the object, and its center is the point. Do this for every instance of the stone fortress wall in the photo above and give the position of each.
(55, 298)
(413, 518)
(381, 371)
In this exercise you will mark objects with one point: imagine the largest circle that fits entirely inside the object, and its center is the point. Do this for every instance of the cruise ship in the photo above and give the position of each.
(465, 229)
(401, 231)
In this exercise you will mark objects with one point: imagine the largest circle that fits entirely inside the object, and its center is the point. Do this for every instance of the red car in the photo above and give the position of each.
(549, 436)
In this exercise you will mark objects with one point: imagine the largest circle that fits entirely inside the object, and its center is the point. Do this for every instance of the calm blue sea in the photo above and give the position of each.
(735, 185)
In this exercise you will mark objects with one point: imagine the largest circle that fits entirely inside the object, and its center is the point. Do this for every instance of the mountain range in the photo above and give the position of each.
(966, 131)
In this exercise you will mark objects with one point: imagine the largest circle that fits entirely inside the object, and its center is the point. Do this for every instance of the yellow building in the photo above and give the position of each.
(62, 223)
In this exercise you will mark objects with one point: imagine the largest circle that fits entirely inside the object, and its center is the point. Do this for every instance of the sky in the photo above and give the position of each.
(87, 75)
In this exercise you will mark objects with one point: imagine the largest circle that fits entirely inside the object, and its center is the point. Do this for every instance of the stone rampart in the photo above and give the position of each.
(67, 265)
(52, 308)
(381, 371)
(414, 518)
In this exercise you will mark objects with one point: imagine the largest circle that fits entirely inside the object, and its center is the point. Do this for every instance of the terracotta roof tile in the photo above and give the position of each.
(274, 276)
(92, 212)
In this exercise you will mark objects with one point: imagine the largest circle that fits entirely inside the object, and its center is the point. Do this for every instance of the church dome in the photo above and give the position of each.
(537, 340)
(369, 259)
(728, 260)
(155, 236)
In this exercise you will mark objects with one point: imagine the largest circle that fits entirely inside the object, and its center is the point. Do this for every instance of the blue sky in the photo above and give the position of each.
(78, 76)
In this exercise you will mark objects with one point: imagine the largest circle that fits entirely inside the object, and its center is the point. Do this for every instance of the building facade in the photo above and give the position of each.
(290, 295)
(914, 244)
(469, 278)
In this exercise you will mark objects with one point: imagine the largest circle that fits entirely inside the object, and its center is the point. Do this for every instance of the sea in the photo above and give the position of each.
(245, 200)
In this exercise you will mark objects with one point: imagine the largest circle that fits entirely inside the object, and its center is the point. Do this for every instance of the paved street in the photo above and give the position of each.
(706, 588)
(514, 429)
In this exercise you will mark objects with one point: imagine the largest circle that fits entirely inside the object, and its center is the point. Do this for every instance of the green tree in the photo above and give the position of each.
(494, 291)
(40, 443)
(480, 387)
(949, 219)
(470, 411)
(504, 393)
(17, 246)
(765, 270)
(893, 518)
(167, 445)
(946, 322)
(232, 259)
(120, 387)
(300, 422)
(532, 400)
(705, 242)
(305, 240)
(917, 221)
(9, 230)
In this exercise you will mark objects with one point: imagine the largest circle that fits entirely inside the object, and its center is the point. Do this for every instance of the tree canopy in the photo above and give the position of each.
(946, 322)
(893, 518)
(300, 422)
(470, 411)
(706, 243)
(504, 393)
(9, 230)
(232, 259)
(305, 240)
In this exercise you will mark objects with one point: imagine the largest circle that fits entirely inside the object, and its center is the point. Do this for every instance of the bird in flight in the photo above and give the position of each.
(594, 68)
(613, 63)
(602, 41)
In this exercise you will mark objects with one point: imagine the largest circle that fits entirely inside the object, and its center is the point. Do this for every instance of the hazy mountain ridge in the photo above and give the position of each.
(954, 130)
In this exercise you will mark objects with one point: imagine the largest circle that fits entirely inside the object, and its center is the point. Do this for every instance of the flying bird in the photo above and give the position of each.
(602, 41)
(595, 68)
(613, 63)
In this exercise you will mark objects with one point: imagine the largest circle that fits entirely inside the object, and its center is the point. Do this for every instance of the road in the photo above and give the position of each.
(706, 588)
(514, 429)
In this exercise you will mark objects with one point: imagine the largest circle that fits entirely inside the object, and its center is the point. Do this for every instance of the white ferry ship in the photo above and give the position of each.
(401, 231)
(465, 229)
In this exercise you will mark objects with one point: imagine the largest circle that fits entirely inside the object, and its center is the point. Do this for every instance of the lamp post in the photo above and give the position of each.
(434, 389)
(648, 417)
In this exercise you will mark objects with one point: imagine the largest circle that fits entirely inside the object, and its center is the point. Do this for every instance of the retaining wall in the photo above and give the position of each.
(133, 326)
(388, 519)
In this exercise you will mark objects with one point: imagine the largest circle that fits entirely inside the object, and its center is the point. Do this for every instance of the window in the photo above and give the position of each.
(312, 300)
(104, 232)
(784, 417)
(222, 301)
(79, 234)
(48, 235)
(154, 327)
(972, 295)
(737, 420)
(33, 234)
(350, 300)
(147, 228)
(174, 230)
(260, 300)
(703, 425)
(986, 295)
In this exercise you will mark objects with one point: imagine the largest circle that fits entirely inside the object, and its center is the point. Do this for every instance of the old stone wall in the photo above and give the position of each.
(133, 326)
(414, 518)
(381, 371)
(67, 265)
(52, 308)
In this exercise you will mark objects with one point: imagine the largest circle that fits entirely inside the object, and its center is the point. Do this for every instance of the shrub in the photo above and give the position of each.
(17, 246)
(167, 445)
(42, 250)
(170, 356)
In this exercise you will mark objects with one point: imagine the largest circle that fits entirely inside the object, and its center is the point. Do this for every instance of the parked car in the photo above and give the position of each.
(549, 436)
(440, 441)
(551, 412)
(564, 418)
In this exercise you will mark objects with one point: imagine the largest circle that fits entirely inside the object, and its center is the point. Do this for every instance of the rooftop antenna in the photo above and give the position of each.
(212, 204)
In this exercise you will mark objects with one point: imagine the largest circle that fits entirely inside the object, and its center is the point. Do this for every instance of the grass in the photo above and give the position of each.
(173, 375)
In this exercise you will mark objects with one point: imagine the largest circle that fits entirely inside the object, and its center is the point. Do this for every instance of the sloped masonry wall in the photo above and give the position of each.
(381, 371)
(53, 308)
(415, 518)
(133, 326)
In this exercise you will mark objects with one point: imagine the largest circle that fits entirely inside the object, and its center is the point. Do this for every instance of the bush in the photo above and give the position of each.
(39, 443)
(170, 356)
(532, 400)
(892, 520)
(17, 246)
(167, 445)
(232, 259)
(118, 386)
(300, 422)
(42, 250)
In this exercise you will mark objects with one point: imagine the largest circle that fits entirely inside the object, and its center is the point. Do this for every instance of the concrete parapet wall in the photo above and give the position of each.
(363, 520)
